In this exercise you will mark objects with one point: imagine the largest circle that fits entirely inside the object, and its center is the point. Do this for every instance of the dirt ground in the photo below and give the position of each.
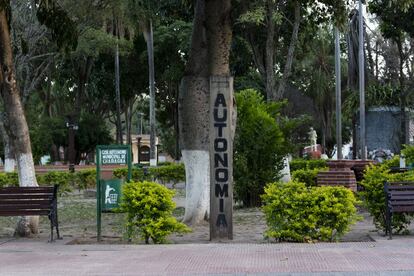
(77, 221)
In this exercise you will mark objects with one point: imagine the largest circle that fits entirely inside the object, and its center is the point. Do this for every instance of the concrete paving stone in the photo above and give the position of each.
(26, 257)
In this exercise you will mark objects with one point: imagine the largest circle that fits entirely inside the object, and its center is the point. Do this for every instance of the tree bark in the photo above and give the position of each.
(269, 52)
(403, 103)
(193, 114)
(9, 158)
(289, 60)
(15, 120)
(210, 46)
(148, 35)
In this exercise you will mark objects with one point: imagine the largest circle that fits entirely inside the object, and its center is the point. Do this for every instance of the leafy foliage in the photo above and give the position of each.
(297, 213)
(302, 164)
(65, 180)
(9, 179)
(408, 152)
(307, 176)
(374, 197)
(170, 173)
(256, 161)
(149, 209)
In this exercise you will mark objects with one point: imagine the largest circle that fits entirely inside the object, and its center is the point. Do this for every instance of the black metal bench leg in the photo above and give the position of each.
(57, 228)
(51, 228)
(389, 226)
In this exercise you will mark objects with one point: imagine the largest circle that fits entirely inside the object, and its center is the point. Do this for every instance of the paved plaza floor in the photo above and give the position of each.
(37, 257)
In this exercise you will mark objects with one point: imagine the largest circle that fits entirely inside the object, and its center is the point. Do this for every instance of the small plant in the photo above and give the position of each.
(149, 208)
(296, 213)
(307, 176)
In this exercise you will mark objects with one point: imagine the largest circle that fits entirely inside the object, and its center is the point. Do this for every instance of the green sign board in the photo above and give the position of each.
(108, 196)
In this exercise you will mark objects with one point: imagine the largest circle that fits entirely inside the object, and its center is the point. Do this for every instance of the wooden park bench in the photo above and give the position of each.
(399, 198)
(31, 201)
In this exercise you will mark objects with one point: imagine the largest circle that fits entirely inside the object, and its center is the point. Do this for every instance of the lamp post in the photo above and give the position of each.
(338, 96)
(361, 82)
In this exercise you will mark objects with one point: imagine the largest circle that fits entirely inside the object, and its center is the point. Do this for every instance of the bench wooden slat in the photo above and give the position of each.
(24, 201)
(47, 206)
(24, 212)
(26, 196)
(401, 202)
(26, 190)
(392, 194)
(402, 197)
(402, 209)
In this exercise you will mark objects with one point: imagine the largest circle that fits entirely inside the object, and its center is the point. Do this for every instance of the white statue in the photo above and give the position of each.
(313, 138)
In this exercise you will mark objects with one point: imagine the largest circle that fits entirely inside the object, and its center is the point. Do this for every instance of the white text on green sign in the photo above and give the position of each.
(114, 156)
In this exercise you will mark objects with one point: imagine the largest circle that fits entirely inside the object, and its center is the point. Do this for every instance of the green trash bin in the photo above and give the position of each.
(111, 192)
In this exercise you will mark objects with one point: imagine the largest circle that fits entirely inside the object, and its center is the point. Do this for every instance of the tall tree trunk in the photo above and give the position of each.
(119, 136)
(9, 158)
(15, 120)
(148, 35)
(269, 51)
(403, 103)
(210, 46)
(194, 123)
(289, 60)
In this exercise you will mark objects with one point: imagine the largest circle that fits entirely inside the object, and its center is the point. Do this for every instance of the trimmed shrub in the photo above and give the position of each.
(374, 197)
(65, 181)
(302, 164)
(9, 179)
(166, 173)
(149, 208)
(296, 213)
(307, 176)
(408, 151)
(85, 179)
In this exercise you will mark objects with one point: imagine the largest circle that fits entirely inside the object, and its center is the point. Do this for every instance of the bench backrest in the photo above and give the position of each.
(400, 196)
(18, 201)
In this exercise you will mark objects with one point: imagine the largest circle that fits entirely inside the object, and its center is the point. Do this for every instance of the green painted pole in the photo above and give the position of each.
(98, 193)
(129, 163)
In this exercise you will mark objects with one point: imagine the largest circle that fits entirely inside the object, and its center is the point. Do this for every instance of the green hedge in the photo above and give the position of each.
(374, 198)
(302, 164)
(307, 176)
(149, 208)
(296, 213)
(171, 173)
(9, 179)
(67, 181)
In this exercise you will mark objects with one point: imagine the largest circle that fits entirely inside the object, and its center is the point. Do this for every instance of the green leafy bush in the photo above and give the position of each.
(65, 180)
(302, 164)
(149, 208)
(85, 179)
(296, 213)
(307, 176)
(374, 197)
(172, 173)
(259, 146)
(165, 174)
(408, 152)
(9, 179)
